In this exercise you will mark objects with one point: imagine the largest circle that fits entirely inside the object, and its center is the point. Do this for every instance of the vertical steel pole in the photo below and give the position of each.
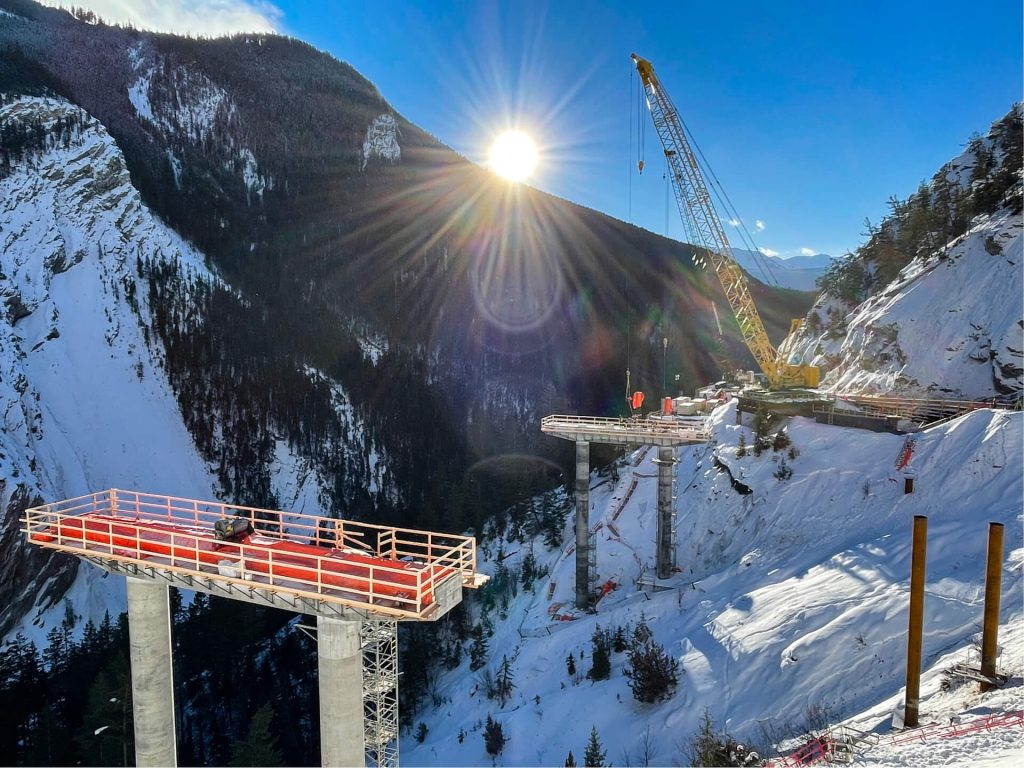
(993, 583)
(582, 524)
(916, 627)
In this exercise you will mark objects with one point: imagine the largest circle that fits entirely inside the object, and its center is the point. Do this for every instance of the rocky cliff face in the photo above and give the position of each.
(949, 326)
(86, 402)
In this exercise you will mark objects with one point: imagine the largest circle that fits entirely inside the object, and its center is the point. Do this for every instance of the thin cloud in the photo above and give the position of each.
(759, 225)
(734, 222)
(768, 251)
(807, 252)
(209, 18)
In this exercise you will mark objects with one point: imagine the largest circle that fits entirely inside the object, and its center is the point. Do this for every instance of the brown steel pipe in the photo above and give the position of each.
(993, 583)
(915, 630)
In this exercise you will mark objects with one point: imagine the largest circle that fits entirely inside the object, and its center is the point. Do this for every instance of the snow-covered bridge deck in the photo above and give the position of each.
(664, 431)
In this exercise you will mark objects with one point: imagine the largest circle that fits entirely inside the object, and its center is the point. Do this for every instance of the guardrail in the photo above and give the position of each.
(383, 568)
(954, 730)
(922, 410)
(646, 424)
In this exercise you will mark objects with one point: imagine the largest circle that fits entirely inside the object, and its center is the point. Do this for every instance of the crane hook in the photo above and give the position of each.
(640, 166)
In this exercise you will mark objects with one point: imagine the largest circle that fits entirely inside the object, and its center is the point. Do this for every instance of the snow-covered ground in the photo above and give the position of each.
(791, 596)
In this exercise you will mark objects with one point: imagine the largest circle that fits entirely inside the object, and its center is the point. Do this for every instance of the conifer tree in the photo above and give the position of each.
(478, 648)
(504, 684)
(653, 674)
(601, 665)
(594, 756)
(494, 736)
(259, 747)
(570, 761)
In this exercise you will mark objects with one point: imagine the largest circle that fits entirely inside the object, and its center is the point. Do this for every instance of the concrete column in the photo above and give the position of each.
(149, 635)
(666, 550)
(583, 587)
(341, 693)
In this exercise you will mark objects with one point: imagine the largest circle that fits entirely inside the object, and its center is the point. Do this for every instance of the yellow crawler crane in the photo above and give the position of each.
(705, 229)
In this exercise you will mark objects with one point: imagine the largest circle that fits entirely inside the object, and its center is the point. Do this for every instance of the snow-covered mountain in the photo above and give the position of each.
(797, 272)
(790, 596)
(86, 399)
(933, 304)
(950, 326)
(318, 288)
(86, 403)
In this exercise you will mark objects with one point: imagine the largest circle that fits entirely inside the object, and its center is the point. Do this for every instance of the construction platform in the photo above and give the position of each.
(663, 431)
(878, 413)
(305, 563)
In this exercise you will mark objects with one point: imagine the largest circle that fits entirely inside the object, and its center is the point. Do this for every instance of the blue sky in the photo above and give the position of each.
(812, 114)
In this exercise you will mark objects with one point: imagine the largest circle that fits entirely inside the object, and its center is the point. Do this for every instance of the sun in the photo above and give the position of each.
(513, 156)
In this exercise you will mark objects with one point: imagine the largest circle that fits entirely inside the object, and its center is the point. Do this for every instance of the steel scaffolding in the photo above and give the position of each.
(380, 692)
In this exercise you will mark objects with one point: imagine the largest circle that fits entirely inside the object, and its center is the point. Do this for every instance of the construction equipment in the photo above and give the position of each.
(705, 230)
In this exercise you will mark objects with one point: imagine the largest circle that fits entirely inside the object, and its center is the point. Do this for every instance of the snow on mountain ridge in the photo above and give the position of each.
(185, 103)
(382, 140)
(797, 272)
(200, 103)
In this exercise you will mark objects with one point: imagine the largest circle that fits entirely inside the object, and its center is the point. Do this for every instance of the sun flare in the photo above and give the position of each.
(513, 156)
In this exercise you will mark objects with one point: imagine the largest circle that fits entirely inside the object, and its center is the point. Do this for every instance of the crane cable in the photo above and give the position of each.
(629, 146)
(730, 210)
(641, 129)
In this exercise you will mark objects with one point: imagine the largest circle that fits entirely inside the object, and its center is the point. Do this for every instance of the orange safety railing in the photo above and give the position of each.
(391, 570)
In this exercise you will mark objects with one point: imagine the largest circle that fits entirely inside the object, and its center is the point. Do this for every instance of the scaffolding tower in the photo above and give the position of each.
(379, 641)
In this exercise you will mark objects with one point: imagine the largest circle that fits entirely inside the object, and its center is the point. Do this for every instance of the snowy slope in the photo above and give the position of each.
(85, 403)
(792, 595)
(951, 325)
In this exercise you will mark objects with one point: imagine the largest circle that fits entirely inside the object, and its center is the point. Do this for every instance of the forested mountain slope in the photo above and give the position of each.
(377, 317)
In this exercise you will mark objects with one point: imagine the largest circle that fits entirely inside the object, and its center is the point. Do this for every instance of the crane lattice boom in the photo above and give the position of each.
(705, 230)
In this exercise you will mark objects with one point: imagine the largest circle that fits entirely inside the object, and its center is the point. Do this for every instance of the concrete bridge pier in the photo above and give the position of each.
(666, 540)
(149, 634)
(583, 586)
(340, 664)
